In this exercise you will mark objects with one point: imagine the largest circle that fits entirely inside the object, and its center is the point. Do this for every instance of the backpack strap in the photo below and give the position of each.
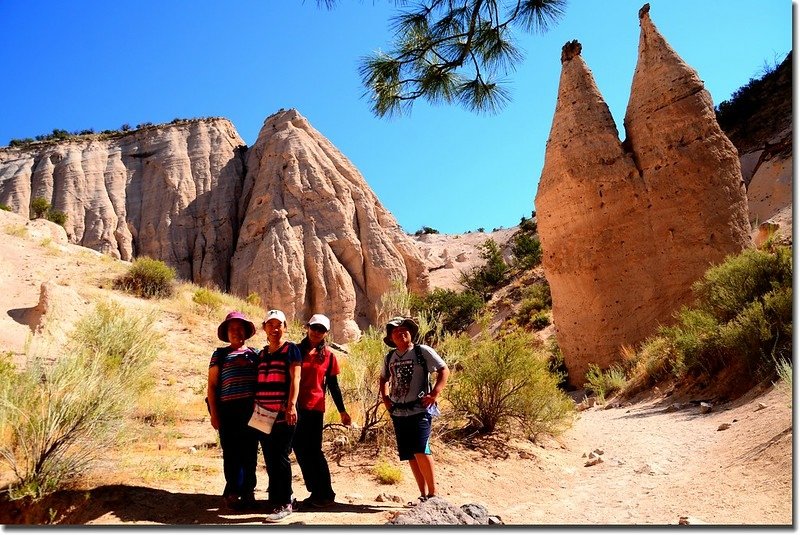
(424, 363)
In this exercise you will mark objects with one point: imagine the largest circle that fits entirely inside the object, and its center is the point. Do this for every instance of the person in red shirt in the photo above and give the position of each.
(318, 374)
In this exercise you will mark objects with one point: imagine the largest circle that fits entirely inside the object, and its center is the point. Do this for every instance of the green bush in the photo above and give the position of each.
(605, 383)
(57, 216)
(535, 300)
(387, 474)
(504, 382)
(207, 299)
(454, 310)
(39, 207)
(5, 207)
(426, 230)
(147, 278)
(742, 320)
(540, 320)
(56, 419)
(483, 280)
(527, 250)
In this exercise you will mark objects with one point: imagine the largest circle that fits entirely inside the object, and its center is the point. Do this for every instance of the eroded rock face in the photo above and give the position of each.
(315, 238)
(627, 227)
(166, 192)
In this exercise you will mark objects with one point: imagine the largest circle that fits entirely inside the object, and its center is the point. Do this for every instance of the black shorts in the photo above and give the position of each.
(413, 434)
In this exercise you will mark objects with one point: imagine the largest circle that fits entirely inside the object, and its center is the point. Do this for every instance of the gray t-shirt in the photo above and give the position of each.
(407, 380)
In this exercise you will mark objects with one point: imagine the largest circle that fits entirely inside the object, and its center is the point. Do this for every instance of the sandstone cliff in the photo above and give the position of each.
(315, 238)
(627, 227)
(165, 192)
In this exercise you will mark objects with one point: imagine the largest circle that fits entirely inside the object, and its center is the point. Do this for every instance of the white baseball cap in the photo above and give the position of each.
(275, 315)
(320, 319)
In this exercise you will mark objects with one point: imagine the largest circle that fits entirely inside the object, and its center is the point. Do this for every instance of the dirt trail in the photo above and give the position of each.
(658, 464)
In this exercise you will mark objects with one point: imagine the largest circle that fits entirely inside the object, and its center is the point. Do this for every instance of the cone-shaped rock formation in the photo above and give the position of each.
(315, 238)
(627, 227)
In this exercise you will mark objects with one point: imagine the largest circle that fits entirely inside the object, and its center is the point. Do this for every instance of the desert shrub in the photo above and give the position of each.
(784, 368)
(539, 320)
(253, 299)
(426, 230)
(505, 382)
(39, 207)
(603, 383)
(147, 278)
(387, 474)
(208, 300)
(535, 300)
(56, 216)
(455, 310)
(528, 224)
(742, 319)
(527, 250)
(5, 207)
(395, 302)
(56, 419)
(359, 381)
(483, 280)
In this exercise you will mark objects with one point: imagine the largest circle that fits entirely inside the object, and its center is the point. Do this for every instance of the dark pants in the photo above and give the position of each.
(307, 446)
(276, 447)
(239, 444)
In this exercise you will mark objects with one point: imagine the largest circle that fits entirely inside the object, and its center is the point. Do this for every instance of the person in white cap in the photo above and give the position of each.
(319, 373)
(277, 389)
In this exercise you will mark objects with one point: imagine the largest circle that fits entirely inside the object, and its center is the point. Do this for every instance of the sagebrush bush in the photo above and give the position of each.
(527, 250)
(455, 310)
(741, 320)
(57, 216)
(56, 419)
(387, 474)
(535, 300)
(485, 279)
(148, 278)
(208, 300)
(359, 381)
(505, 381)
(605, 383)
(39, 207)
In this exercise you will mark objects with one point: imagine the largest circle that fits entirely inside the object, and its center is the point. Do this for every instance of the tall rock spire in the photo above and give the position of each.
(626, 228)
(315, 238)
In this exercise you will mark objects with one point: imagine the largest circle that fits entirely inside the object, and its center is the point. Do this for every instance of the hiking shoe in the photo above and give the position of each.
(278, 513)
(247, 502)
(312, 502)
(231, 501)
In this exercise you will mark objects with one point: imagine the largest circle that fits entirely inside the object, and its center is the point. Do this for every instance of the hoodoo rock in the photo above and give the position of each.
(161, 191)
(315, 238)
(627, 227)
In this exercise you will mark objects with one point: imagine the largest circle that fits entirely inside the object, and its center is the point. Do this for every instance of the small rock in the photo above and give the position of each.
(723, 427)
(495, 520)
(760, 406)
(689, 521)
(598, 451)
(192, 450)
(705, 408)
(383, 497)
(592, 462)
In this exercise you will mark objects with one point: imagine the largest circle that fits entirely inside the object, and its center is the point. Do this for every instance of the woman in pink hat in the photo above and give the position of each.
(232, 375)
(318, 374)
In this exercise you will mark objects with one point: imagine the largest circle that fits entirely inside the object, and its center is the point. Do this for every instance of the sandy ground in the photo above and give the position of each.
(661, 461)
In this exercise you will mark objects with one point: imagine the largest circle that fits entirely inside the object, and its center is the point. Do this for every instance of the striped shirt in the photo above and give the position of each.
(237, 372)
(272, 388)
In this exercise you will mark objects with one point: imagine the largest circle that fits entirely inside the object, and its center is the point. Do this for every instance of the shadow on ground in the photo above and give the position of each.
(145, 505)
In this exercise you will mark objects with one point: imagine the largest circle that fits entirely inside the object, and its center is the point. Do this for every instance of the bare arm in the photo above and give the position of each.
(294, 391)
(211, 392)
(441, 380)
(383, 392)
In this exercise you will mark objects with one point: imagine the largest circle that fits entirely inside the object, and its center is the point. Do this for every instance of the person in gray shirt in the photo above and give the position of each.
(410, 399)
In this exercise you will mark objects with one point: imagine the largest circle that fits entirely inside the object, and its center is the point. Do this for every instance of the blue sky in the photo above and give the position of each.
(90, 64)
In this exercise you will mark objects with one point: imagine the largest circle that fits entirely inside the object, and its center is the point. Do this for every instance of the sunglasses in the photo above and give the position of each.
(318, 328)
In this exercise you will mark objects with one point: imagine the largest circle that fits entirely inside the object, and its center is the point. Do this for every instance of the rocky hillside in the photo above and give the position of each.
(193, 195)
